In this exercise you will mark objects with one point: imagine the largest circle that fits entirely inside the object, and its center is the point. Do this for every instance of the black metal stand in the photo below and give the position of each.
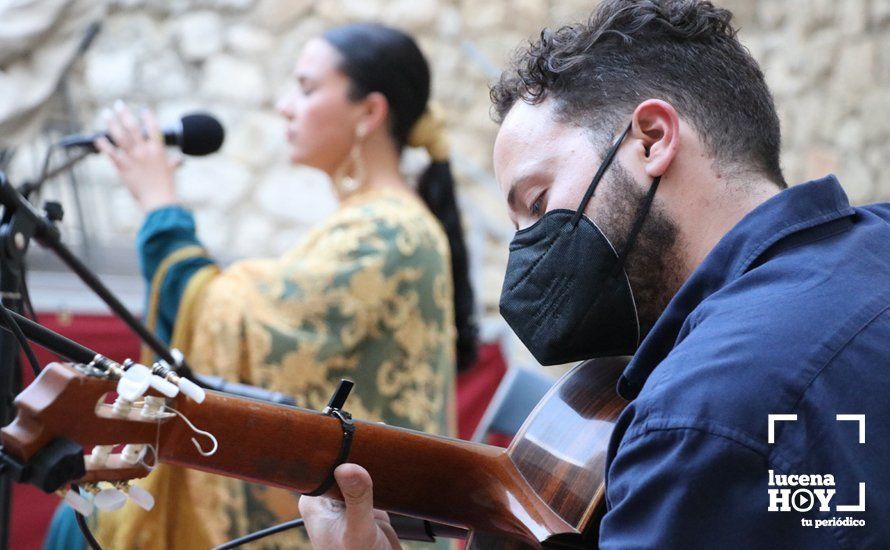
(15, 232)
(20, 222)
(47, 234)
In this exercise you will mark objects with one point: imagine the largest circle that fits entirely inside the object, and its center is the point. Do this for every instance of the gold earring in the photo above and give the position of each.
(346, 182)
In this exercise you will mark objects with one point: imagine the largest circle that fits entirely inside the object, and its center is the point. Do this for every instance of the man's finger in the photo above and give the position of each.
(355, 485)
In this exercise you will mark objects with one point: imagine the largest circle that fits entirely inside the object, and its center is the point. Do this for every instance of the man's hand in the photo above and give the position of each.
(357, 526)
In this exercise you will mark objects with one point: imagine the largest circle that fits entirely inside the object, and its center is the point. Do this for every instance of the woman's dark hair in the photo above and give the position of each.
(683, 51)
(381, 59)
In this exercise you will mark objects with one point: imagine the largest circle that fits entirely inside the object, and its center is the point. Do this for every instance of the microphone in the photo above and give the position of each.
(197, 134)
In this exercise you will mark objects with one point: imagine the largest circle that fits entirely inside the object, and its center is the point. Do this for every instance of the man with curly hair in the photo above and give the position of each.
(739, 298)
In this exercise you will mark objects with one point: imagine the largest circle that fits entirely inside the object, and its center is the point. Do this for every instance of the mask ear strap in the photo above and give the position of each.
(594, 183)
(638, 222)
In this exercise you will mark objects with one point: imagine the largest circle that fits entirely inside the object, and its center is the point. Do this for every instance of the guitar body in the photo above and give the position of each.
(561, 452)
(545, 490)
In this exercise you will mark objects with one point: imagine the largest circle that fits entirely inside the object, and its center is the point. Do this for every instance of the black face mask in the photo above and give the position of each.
(566, 294)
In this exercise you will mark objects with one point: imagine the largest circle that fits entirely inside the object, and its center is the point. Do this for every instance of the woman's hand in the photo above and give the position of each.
(139, 155)
(357, 526)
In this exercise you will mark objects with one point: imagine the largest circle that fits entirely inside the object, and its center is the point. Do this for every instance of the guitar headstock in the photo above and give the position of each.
(77, 403)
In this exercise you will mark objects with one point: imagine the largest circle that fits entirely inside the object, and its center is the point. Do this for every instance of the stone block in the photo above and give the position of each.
(256, 139)
(296, 194)
(484, 17)
(819, 161)
(199, 35)
(165, 76)
(817, 57)
(111, 75)
(771, 15)
(875, 109)
(249, 40)
(252, 235)
(449, 22)
(125, 214)
(858, 181)
(215, 182)
(351, 10)
(411, 15)
(855, 69)
(528, 15)
(278, 15)
(853, 16)
(228, 78)
(286, 237)
(828, 63)
(850, 135)
(215, 230)
(880, 12)
(231, 5)
(876, 158)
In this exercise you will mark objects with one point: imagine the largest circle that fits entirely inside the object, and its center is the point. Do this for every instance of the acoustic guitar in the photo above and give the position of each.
(544, 491)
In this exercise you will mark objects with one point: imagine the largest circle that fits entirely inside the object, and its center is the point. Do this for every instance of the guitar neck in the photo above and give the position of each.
(468, 485)
(441, 479)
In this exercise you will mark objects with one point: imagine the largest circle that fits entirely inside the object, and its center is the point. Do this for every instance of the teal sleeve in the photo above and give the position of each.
(163, 232)
(63, 533)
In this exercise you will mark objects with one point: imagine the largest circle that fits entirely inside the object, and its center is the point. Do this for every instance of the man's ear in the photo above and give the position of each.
(375, 111)
(656, 125)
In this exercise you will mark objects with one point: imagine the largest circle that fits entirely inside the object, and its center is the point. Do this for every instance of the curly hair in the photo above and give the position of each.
(684, 52)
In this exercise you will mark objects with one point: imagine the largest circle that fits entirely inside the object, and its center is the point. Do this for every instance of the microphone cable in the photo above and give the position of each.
(262, 533)
(84, 528)
(16, 330)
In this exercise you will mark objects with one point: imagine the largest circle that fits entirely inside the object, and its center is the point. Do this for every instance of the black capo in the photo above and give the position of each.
(335, 409)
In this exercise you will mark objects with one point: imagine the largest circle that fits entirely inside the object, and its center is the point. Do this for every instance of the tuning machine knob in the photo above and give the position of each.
(139, 496)
(109, 499)
(80, 504)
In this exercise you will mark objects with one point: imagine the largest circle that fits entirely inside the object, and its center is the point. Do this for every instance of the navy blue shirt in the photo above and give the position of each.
(788, 315)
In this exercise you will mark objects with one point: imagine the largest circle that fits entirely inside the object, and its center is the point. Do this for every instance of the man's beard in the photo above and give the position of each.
(653, 264)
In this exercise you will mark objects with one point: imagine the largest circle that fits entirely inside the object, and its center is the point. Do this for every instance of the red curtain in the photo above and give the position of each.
(32, 509)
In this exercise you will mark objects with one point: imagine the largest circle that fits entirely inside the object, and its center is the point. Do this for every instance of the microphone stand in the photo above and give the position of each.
(46, 233)
(29, 187)
(20, 222)
(13, 229)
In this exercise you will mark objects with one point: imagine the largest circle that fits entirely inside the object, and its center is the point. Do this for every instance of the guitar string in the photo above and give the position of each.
(195, 429)
(155, 450)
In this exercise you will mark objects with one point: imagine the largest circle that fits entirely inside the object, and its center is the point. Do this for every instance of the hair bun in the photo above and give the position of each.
(430, 133)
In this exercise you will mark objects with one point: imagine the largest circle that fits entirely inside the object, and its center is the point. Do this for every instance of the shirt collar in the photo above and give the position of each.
(793, 210)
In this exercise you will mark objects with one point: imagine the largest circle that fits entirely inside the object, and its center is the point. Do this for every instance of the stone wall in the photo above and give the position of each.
(828, 63)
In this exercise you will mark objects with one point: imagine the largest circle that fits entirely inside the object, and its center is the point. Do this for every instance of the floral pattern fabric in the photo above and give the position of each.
(367, 296)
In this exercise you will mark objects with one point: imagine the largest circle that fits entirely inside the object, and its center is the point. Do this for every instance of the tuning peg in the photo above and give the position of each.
(153, 407)
(78, 502)
(100, 454)
(192, 390)
(109, 500)
(140, 496)
(134, 382)
(164, 387)
(132, 453)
